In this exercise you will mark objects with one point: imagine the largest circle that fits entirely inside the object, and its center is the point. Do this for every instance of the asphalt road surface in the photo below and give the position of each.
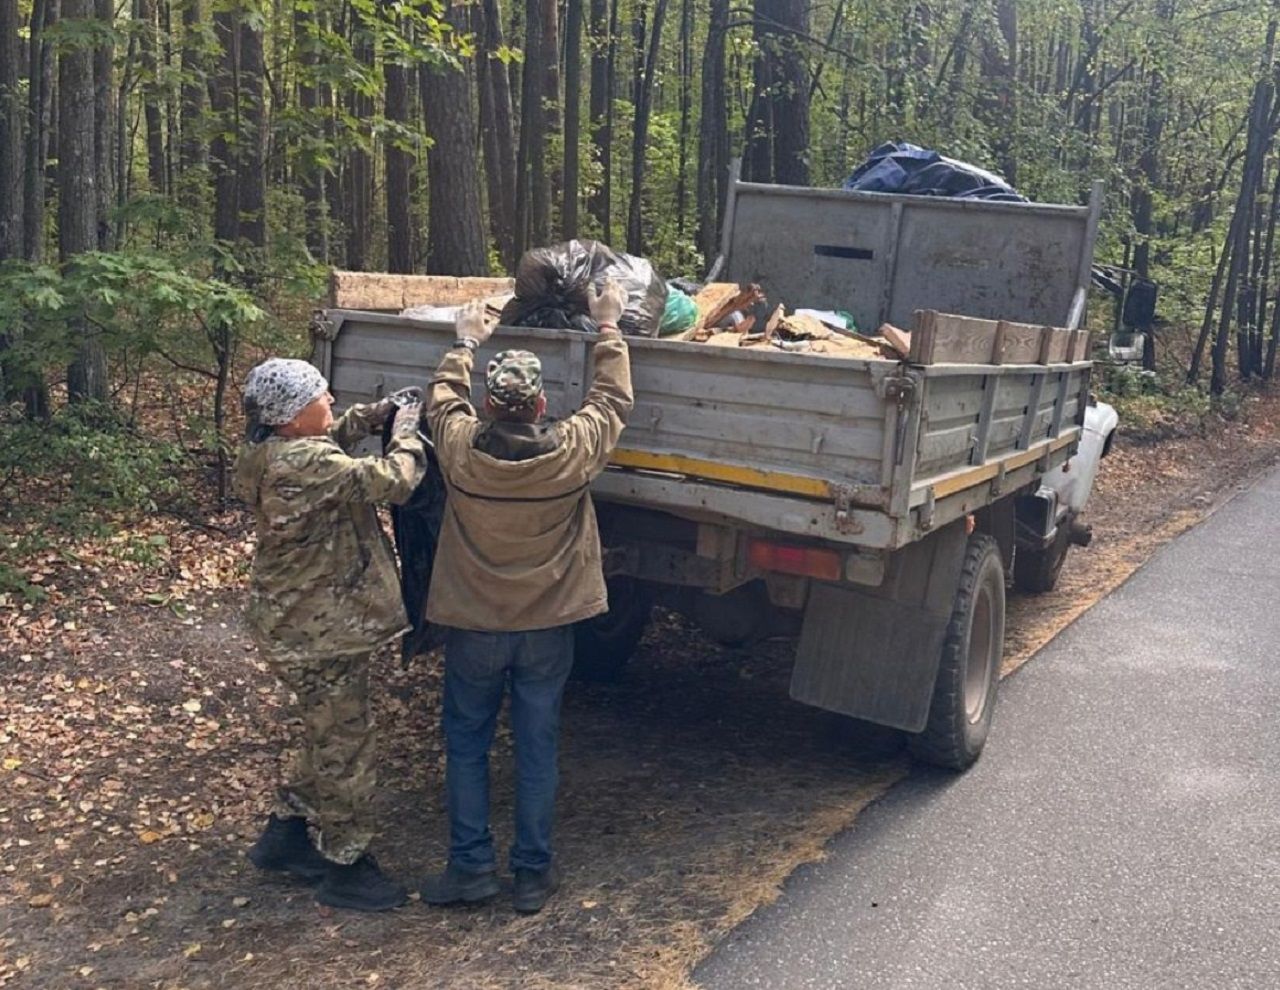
(1122, 829)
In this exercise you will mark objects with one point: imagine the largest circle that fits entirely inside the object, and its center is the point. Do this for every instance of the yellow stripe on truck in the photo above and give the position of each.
(732, 474)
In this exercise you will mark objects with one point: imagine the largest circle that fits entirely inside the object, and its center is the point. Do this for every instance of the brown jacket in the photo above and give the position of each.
(324, 580)
(519, 548)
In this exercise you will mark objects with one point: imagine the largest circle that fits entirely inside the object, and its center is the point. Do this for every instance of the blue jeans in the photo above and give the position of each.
(477, 668)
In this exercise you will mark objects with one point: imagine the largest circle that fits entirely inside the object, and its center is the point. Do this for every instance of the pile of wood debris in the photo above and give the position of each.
(733, 315)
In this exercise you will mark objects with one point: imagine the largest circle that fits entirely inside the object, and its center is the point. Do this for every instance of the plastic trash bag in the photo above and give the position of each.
(679, 315)
(552, 283)
(899, 167)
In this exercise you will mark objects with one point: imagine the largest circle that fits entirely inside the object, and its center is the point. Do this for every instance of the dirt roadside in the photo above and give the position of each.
(137, 746)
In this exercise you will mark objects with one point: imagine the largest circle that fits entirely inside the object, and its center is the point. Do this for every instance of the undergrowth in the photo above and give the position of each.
(1155, 406)
(85, 473)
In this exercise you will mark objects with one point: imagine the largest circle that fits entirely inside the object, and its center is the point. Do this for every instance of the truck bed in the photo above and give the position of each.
(871, 453)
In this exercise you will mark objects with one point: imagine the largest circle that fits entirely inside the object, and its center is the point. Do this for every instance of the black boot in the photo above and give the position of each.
(361, 886)
(285, 847)
(533, 888)
(455, 886)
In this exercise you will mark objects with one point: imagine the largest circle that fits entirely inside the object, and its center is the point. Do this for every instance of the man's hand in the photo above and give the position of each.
(386, 407)
(408, 419)
(471, 323)
(606, 305)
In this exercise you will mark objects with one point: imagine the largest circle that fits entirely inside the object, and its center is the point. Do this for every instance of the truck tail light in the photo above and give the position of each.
(825, 565)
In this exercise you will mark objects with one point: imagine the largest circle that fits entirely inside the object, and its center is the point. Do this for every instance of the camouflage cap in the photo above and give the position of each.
(514, 379)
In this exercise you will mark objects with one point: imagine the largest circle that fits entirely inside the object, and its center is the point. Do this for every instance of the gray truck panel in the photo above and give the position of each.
(882, 257)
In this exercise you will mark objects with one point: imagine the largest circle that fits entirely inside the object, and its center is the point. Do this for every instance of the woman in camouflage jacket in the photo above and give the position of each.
(323, 596)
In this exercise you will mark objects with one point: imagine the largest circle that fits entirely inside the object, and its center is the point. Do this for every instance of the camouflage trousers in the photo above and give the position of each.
(332, 778)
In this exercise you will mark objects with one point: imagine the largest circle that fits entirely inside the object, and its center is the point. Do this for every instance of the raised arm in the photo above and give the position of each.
(599, 423)
(449, 408)
(363, 419)
(321, 472)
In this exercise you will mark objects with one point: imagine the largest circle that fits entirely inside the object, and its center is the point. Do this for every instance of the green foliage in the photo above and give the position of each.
(137, 301)
(1153, 407)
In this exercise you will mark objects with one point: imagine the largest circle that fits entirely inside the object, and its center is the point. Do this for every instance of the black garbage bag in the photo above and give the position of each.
(899, 167)
(416, 526)
(552, 283)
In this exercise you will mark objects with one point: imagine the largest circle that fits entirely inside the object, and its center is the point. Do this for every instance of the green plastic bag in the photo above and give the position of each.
(679, 314)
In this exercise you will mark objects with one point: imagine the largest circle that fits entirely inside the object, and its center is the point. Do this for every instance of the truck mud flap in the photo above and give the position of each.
(873, 653)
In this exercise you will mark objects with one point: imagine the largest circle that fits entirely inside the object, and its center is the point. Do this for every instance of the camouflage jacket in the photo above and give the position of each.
(519, 546)
(324, 579)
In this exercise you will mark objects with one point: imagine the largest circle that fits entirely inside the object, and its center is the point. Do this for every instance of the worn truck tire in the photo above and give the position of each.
(1036, 571)
(964, 695)
(602, 646)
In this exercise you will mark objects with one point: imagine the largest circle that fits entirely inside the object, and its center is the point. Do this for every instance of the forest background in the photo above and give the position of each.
(177, 176)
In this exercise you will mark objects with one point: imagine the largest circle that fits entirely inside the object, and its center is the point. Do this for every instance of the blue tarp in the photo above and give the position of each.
(899, 167)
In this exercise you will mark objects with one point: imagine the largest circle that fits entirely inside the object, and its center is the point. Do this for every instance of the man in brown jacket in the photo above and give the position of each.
(518, 563)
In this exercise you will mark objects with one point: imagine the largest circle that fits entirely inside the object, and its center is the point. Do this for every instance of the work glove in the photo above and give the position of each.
(408, 418)
(386, 407)
(606, 305)
(471, 323)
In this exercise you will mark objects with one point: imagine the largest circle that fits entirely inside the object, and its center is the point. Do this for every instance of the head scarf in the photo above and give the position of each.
(514, 379)
(277, 390)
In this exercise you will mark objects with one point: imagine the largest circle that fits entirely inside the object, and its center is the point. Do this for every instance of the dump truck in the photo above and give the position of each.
(873, 509)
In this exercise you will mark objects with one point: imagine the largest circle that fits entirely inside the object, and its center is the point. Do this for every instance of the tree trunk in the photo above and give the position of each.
(40, 66)
(11, 145)
(713, 135)
(40, 63)
(456, 243)
(497, 131)
(310, 172)
(791, 103)
(151, 95)
(78, 202)
(251, 163)
(532, 145)
(640, 136)
(110, 180)
(547, 173)
(572, 116)
(1149, 168)
(1000, 67)
(1254, 159)
(359, 172)
(399, 164)
(193, 155)
(757, 159)
(598, 112)
(686, 107)
(224, 102)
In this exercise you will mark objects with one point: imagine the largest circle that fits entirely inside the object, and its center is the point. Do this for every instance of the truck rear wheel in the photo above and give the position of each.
(602, 646)
(964, 695)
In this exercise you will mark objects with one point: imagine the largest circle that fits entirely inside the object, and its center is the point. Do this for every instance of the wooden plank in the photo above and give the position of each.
(1059, 342)
(383, 291)
(1021, 343)
(997, 345)
(898, 339)
(1046, 344)
(922, 337)
(949, 338)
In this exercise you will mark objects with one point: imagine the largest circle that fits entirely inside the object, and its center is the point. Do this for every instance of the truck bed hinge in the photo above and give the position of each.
(846, 521)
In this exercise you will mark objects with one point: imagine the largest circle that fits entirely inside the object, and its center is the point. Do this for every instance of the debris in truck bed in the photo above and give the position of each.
(734, 315)
(898, 339)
